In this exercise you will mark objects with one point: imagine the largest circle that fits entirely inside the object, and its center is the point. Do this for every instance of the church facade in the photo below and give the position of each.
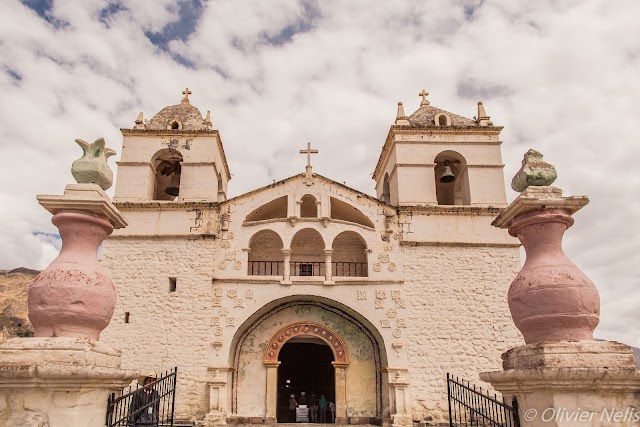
(307, 285)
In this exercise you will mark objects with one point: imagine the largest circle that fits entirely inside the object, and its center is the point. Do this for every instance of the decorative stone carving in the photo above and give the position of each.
(223, 312)
(392, 266)
(73, 297)
(392, 313)
(217, 291)
(215, 321)
(231, 321)
(249, 294)
(550, 299)
(400, 303)
(217, 345)
(381, 294)
(401, 323)
(239, 302)
(534, 171)
(216, 301)
(92, 167)
(395, 294)
(377, 267)
(385, 323)
(280, 338)
(230, 256)
(222, 265)
(397, 346)
(397, 333)
(237, 265)
(383, 258)
(232, 293)
(379, 303)
(362, 295)
(218, 331)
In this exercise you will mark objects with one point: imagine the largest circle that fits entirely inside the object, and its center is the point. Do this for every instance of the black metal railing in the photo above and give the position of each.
(308, 268)
(266, 268)
(151, 405)
(471, 406)
(349, 269)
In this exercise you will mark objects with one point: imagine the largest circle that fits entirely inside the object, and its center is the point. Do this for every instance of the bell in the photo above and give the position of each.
(174, 185)
(447, 176)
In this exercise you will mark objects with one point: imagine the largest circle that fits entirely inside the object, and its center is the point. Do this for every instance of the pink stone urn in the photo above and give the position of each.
(73, 297)
(550, 299)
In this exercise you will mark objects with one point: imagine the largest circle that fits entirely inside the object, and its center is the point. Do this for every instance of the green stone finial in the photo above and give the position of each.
(92, 167)
(534, 172)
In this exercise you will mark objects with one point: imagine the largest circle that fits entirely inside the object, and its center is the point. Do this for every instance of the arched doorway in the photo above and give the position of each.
(305, 367)
(357, 364)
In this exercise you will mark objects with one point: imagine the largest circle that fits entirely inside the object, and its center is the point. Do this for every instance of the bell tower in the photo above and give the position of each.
(175, 156)
(434, 157)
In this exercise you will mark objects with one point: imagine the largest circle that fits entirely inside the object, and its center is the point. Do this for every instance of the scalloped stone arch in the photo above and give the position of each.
(329, 336)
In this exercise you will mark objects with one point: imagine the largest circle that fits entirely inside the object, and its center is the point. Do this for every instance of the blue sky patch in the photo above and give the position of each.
(110, 10)
(43, 9)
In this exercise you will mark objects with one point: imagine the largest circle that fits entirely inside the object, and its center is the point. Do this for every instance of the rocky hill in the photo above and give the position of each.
(14, 321)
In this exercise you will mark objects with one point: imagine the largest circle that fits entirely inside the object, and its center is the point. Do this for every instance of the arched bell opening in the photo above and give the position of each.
(308, 207)
(386, 189)
(451, 178)
(167, 164)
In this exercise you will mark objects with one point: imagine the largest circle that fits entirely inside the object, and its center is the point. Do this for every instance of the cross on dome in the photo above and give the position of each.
(424, 95)
(186, 94)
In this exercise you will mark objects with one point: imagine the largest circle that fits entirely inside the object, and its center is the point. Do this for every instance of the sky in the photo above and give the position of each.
(562, 77)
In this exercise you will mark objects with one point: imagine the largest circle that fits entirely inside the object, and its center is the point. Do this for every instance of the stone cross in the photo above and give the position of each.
(424, 95)
(308, 152)
(186, 94)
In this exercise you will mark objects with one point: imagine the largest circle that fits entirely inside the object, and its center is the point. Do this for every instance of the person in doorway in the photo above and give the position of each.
(332, 411)
(322, 409)
(303, 399)
(145, 404)
(313, 408)
(293, 404)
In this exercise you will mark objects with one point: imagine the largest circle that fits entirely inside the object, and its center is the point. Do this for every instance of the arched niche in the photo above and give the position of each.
(386, 190)
(307, 253)
(345, 212)
(308, 207)
(275, 209)
(265, 254)
(455, 192)
(167, 164)
(349, 255)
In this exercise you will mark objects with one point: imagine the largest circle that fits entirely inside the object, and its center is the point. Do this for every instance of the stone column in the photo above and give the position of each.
(286, 279)
(561, 377)
(217, 400)
(328, 271)
(272, 393)
(341, 393)
(63, 376)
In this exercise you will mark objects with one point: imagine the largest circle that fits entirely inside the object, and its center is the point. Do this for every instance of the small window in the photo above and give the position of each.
(172, 284)
(175, 125)
(126, 317)
(306, 270)
(442, 121)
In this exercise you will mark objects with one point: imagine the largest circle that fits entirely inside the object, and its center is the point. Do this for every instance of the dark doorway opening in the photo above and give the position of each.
(305, 366)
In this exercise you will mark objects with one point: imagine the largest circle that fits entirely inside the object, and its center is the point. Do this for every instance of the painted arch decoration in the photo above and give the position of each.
(333, 340)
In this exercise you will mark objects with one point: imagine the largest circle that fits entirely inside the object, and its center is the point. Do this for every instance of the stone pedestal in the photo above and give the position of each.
(217, 400)
(398, 390)
(58, 382)
(571, 383)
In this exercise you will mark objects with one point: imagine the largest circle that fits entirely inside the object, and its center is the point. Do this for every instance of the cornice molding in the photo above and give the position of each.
(159, 205)
(451, 210)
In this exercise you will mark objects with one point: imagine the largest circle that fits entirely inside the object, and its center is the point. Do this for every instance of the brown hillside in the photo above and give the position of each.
(14, 321)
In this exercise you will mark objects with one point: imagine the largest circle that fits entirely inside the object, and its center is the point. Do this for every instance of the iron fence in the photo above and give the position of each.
(471, 406)
(308, 268)
(148, 406)
(349, 269)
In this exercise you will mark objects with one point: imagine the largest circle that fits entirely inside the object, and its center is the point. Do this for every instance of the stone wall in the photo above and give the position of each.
(458, 321)
(165, 329)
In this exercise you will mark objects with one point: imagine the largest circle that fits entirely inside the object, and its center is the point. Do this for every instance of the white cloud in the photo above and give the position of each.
(560, 76)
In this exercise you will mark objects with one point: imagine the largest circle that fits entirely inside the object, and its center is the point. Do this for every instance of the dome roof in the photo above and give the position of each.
(183, 116)
(426, 114)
